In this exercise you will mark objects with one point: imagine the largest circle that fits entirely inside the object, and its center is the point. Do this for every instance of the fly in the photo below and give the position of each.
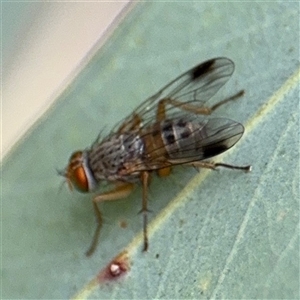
(173, 127)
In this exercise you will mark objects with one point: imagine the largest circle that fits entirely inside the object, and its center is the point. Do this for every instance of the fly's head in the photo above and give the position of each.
(78, 173)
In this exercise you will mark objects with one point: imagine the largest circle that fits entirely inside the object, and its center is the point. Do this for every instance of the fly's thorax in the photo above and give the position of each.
(78, 173)
(108, 158)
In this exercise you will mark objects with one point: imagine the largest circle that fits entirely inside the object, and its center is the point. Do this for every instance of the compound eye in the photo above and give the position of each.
(76, 174)
(79, 179)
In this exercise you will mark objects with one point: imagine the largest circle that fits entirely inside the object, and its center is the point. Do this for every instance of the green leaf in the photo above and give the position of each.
(222, 234)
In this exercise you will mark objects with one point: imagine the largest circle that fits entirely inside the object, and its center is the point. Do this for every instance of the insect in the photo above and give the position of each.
(173, 127)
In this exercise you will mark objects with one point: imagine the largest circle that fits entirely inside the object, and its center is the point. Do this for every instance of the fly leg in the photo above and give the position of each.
(214, 166)
(121, 191)
(144, 211)
(132, 124)
(161, 107)
(231, 98)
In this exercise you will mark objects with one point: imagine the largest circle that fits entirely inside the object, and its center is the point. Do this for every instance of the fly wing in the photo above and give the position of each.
(206, 138)
(210, 138)
(197, 85)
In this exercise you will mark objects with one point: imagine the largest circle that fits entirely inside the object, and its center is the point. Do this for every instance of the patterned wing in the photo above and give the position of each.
(197, 85)
(187, 139)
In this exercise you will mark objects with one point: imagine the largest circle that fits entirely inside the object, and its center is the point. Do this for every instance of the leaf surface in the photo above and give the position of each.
(222, 234)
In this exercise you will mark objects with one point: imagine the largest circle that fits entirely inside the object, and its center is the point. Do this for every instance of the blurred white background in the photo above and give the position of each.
(44, 45)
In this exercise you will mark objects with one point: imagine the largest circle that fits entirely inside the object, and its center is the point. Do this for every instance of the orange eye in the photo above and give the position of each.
(76, 174)
(79, 179)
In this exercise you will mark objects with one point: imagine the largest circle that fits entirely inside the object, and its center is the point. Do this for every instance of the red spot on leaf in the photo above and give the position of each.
(116, 268)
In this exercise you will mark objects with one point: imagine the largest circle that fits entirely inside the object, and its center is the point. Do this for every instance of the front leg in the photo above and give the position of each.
(122, 190)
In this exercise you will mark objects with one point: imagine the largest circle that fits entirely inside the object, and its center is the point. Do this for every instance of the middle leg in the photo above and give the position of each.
(145, 182)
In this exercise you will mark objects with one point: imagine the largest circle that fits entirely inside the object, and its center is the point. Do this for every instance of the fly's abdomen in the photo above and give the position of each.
(182, 138)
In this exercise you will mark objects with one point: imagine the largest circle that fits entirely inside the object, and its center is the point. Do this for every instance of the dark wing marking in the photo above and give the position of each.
(197, 85)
